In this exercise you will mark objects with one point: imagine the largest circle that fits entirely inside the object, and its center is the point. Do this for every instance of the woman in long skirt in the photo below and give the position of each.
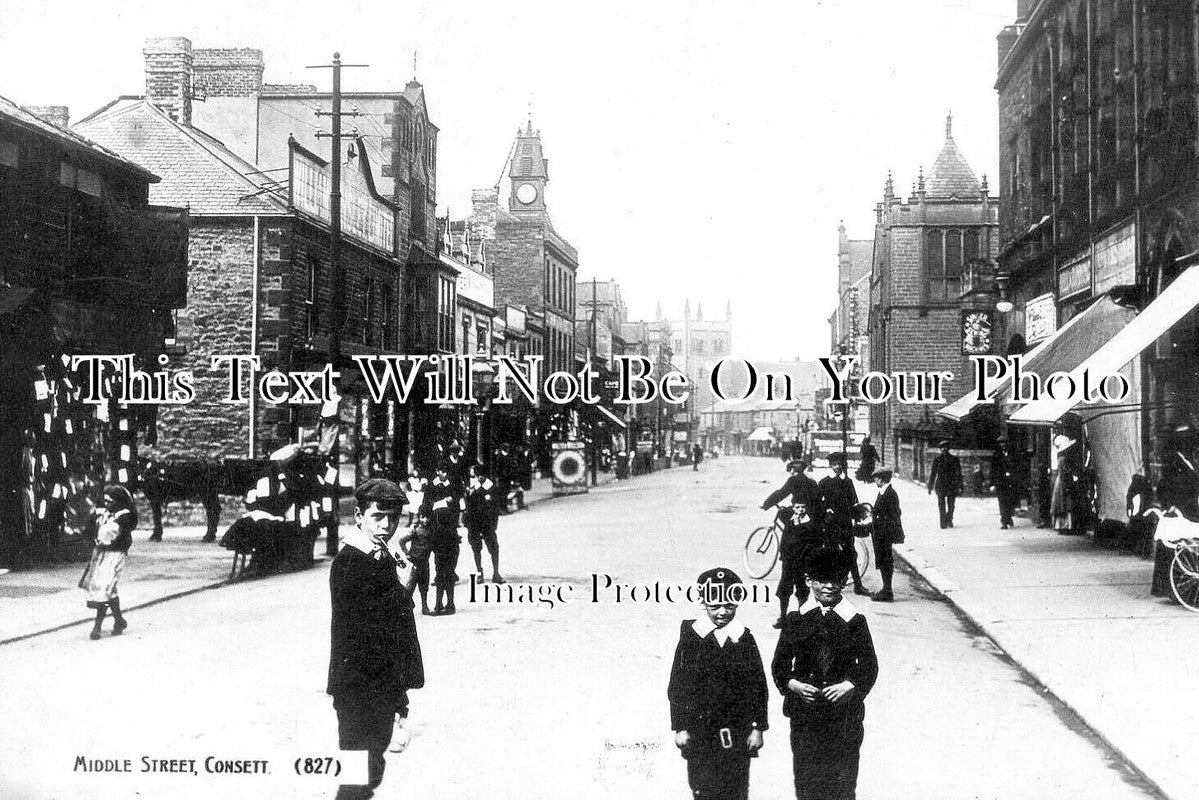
(115, 521)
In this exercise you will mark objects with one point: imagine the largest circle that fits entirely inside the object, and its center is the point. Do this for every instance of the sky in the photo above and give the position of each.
(698, 149)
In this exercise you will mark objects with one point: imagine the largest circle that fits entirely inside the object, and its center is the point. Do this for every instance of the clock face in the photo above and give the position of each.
(526, 193)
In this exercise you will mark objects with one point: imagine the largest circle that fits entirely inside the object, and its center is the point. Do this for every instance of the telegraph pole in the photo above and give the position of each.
(338, 308)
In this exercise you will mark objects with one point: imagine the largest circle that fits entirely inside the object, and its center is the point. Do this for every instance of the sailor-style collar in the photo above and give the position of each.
(734, 630)
(354, 537)
(843, 609)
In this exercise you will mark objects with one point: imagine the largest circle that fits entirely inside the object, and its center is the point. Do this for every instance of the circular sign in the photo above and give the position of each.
(568, 466)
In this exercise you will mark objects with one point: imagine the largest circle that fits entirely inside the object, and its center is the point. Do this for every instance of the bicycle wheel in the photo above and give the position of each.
(861, 547)
(761, 551)
(1184, 576)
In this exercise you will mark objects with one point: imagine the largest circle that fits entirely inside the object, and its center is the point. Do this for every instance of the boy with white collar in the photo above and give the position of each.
(824, 666)
(717, 692)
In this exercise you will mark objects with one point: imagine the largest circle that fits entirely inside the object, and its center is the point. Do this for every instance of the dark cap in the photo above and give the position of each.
(827, 563)
(797, 463)
(836, 458)
(720, 586)
(382, 492)
(944, 443)
(720, 576)
(885, 474)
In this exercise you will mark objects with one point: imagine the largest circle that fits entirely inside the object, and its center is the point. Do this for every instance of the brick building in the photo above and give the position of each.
(1098, 241)
(87, 267)
(260, 284)
(848, 324)
(698, 343)
(926, 251)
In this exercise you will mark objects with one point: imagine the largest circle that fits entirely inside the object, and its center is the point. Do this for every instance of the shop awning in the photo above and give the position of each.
(615, 419)
(1174, 302)
(762, 435)
(1073, 343)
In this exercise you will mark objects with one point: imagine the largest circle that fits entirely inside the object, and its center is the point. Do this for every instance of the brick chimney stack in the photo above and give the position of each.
(55, 115)
(169, 68)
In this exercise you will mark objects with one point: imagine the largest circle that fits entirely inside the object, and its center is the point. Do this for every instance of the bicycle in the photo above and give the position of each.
(1176, 531)
(762, 546)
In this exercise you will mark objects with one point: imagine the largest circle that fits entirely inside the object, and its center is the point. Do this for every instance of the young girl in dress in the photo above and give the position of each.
(114, 522)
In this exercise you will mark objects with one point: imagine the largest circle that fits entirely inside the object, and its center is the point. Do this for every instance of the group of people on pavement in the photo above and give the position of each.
(824, 665)
(822, 515)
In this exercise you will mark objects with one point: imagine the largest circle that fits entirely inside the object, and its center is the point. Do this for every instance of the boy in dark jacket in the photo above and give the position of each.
(718, 693)
(824, 666)
(482, 517)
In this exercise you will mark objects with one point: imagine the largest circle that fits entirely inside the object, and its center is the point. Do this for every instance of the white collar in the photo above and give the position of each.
(734, 630)
(356, 538)
(844, 609)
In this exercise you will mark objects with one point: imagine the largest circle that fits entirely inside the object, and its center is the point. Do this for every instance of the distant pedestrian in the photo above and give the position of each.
(718, 694)
(838, 498)
(886, 532)
(869, 460)
(114, 522)
(374, 653)
(824, 666)
(697, 455)
(482, 518)
(1003, 482)
(441, 506)
(945, 478)
(1068, 503)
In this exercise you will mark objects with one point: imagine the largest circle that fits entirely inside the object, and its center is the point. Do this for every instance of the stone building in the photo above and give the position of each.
(927, 251)
(848, 324)
(1098, 241)
(87, 267)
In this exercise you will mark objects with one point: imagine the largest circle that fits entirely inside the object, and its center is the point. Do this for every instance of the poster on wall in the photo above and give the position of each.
(1040, 318)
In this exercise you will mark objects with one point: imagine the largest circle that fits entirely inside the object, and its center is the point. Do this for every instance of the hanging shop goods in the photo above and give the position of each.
(71, 450)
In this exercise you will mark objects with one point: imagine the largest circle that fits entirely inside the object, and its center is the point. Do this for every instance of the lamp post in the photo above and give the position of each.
(482, 376)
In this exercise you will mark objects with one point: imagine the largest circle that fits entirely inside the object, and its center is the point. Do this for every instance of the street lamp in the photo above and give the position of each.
(1004, 304)
(482, 376)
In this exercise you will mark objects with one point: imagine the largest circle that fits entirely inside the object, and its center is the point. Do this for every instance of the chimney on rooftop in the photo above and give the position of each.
(169, 67)
(228, 72)
(55, 115)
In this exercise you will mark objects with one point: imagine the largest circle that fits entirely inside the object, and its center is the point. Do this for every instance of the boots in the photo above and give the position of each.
(95, 634)
(449, 603)
(120, 624)
(885, 596)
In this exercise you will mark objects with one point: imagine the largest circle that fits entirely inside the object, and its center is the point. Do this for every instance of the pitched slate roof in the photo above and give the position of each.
(197, 170)
(861, 255)
(951, 175)
(23, 118)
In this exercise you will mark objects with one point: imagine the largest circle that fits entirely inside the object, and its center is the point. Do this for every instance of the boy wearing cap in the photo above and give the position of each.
(800, 534)
(824, 666)
(717, 693)
(886, 532)
(374, 654)
(838, 498)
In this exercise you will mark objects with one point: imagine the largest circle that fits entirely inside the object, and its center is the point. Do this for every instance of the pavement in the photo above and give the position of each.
(528, 697)
(47, 598)
(1079, 619)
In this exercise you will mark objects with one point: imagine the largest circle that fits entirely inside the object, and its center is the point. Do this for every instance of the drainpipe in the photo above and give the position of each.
(254, 335)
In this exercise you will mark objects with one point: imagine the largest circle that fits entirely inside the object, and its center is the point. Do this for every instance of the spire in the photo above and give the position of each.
(658, 310)
(699, 312)
(687, 308)
(920, 181)
(728, 310)
(414, 55)
(949, 126)
(952, 175)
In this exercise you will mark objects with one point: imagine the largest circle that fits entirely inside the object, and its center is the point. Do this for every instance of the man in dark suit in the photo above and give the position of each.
(800, 535)
(374, 654)
(945, 478)
(824, 666)
(887, 531)
(837, 499)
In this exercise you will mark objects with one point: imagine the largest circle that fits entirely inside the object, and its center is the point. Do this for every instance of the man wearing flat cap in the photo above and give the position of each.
(838, 498)
(945, 478)
(718, 693)
(374, 655)
(886, 532)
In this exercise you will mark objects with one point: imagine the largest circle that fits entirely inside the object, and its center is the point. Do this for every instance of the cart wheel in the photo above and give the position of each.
(1184, 575)
(761, 551)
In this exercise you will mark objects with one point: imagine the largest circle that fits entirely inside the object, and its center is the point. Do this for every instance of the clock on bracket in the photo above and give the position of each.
(526, 193)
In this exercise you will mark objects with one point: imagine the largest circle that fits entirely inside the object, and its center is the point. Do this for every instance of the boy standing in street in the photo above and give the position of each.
(374, 655)
(824, 666)
(717, 694)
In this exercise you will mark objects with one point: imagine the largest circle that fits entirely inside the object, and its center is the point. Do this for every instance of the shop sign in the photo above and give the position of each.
(1040, 318)
(474, 285)
(1116, 259)
(977, 332)
(1074, 278)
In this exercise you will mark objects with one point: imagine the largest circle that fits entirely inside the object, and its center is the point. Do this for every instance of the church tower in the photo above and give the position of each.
(528, 173)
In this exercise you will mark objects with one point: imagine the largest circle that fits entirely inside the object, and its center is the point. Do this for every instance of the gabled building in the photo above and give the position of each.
(87, 267)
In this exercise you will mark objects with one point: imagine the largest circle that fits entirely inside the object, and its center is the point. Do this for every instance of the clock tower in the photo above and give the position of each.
(529, 173)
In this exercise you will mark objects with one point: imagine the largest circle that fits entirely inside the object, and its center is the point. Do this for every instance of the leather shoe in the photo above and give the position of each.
(883, 597)
(862, 590)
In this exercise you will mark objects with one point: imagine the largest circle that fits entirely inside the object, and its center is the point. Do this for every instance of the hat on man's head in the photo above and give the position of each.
(382, 492)
(944, 443)
(836, 458)
(885, 474)
(827, 563)
(797, 463)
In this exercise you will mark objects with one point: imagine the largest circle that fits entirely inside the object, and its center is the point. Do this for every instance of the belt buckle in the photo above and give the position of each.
(726, 738)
